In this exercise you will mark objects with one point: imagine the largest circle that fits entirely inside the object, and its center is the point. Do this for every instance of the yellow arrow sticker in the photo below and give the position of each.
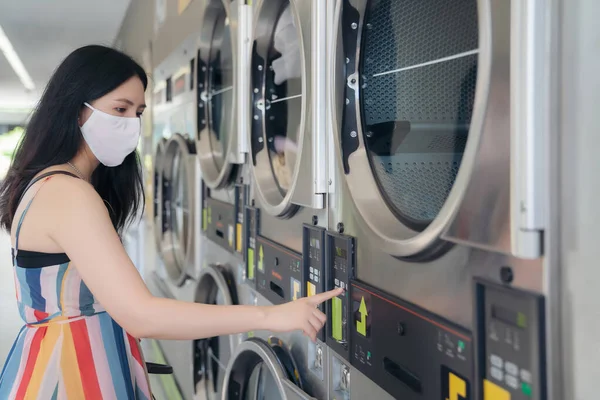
(361, 325)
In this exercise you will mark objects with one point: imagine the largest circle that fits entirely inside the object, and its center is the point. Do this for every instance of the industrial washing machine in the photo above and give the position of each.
(439, 115)
(176, 198)
(221, 140)
(287, 149)
(222, 112)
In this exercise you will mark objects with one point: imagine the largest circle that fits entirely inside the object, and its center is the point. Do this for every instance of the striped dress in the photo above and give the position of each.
(69, 348)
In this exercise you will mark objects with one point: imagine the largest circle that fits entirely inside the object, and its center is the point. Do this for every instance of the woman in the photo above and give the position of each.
(74, 185)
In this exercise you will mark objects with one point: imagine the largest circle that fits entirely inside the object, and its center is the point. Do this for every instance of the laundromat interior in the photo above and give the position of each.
(437, 159)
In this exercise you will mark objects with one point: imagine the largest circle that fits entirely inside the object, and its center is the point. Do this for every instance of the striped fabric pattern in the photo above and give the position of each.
(70, 348)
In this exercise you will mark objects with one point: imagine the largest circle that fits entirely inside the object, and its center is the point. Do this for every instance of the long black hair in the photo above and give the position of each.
(53, 137)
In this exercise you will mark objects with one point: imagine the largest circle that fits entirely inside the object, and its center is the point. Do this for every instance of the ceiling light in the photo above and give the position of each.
(15, 61)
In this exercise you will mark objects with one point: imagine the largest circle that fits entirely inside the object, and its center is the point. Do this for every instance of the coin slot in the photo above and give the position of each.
(275, 288)
(403, 375)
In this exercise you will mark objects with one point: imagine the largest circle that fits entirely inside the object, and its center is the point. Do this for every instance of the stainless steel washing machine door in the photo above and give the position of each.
(158, 192)
(178, 203)
(408, 102)
(283, 142)
(222, 54)
(216, 285)
(262, 370)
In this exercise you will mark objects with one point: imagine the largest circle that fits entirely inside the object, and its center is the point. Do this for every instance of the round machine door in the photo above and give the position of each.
(279, 104)
(178, 207)
(216, 285)
(408, 124)
(158, 192)
(262, 370)
(217, 139)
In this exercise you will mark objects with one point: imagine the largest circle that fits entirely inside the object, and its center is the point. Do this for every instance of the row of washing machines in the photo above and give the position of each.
(381, 146)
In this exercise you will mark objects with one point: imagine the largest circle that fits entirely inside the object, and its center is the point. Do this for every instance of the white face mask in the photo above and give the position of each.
(111, 138)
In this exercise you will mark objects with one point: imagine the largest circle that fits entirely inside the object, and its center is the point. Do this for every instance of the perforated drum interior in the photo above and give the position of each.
(418, 71)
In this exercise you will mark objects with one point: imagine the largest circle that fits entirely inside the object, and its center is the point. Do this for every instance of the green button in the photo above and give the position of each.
(526, 389)
(336, 318)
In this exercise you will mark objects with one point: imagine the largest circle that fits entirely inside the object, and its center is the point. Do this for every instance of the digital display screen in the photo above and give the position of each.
(339, 252)
(511, 317)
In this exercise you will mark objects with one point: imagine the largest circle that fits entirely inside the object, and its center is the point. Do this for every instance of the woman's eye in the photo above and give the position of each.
(120, 109)
(139, 114)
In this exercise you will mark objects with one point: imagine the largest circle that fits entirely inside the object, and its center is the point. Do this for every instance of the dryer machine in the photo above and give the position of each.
(287, 142)
(222, 77)
(287, 158)
(440, 117)
(174, 121)
(218, 279)
(222, 81)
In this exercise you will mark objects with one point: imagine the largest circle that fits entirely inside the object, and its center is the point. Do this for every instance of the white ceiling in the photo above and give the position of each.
(44, 32)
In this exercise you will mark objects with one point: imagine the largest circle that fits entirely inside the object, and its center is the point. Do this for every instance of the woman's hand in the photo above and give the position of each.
(301, 314)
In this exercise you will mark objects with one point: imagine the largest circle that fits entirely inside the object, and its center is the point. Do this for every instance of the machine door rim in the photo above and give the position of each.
(214, 177)
(395, 238)
(269, 196)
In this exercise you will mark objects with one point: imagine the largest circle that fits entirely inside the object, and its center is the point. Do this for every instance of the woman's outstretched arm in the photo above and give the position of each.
(78, 221)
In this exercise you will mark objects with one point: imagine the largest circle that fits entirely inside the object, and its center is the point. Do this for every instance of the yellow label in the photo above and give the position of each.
(458, 387)
(311, 289)
(204, 219)
(295, 289)
(250, 263)
(336, 319)
(238, 238)
(491, 391)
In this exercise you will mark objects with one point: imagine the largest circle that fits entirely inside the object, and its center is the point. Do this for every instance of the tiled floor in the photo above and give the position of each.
(10, 322)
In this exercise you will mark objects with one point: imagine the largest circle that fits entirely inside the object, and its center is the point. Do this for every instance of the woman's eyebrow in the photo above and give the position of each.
(130, 102)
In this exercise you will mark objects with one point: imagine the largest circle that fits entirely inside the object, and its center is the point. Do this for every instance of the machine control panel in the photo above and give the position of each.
(251, 218)
(510, 342)
(340, 264)
(218, 220)
(241, 199)
(313, 265)
(278, 272)
(407, 351)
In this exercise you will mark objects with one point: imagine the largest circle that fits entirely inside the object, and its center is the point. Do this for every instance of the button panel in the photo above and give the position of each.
(340, 264)
(510, 341)
(313, 262)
